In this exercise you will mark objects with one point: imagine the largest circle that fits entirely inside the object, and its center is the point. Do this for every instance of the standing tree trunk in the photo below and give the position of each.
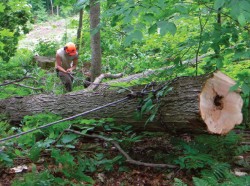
(95, 39)
(195, 104)
(79, 30)
(52, 7)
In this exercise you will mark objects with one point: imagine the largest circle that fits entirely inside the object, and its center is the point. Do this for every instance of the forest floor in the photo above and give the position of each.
(133, 176)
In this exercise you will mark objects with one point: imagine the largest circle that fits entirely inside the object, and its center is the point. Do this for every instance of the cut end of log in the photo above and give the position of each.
(220, 109)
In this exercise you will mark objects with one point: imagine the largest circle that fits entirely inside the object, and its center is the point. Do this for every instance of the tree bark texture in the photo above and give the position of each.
(79, 30)
(95, 39)
(179, 111)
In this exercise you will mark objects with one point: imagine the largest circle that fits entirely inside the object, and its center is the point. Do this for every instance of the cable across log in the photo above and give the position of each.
(194, 104)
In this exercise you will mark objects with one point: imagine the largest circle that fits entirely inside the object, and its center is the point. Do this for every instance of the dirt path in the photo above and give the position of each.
(53, 30)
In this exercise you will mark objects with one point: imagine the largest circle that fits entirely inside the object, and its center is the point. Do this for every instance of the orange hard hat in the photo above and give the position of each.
(70, 48)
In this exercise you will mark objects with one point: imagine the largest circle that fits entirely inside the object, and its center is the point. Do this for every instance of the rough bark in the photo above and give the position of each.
(95, 39)
(79, 30)
(179, 111)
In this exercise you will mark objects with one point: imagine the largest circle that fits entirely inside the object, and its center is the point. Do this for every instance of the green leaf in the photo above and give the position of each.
(6, 33)
(137, 35)
(234, 87)
(245, 88)
(68, 138)
(114, 20)
(245, 5)
(151, 117)
(149, 17)
(34, 153)
(1, 45)
(87, 121)
(2, 7)
(146, 105)
(18, 152)
(128, 40)
(200, 182)
(87, 179)
(219, 63)
(5, 157)
(242, 20)
(82, 2)
(152, 29)
(218, 4)
(235, 10)
(165, 27)
(178, 182)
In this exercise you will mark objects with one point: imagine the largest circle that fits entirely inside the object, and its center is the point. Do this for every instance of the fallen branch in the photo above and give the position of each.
(99, 79)
(25, 86)
(15, 81)
(128, 158)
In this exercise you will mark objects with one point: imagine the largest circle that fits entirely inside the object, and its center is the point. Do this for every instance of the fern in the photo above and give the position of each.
(178, 182)
(220, 170)
(236, 181)
(195, 161)
(200, 182)
(242, 149)
(220, 174)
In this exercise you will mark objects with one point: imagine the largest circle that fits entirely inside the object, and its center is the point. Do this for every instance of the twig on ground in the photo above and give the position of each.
(128, 158)
(60, 135)
(25, 86)
(15, 81)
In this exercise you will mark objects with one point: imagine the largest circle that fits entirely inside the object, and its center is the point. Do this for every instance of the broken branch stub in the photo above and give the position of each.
(220, 108)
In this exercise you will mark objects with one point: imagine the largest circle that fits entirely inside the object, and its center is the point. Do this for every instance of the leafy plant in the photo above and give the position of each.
(178, 182)
(5, 159)
(212, 156)
(46, 48)
(150, 105)
(42, 179)
(14, 19)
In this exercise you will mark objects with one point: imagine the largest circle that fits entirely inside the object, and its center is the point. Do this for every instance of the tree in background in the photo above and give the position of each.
(15, 15)
(95, 39)
(79, 44)
(39, 10)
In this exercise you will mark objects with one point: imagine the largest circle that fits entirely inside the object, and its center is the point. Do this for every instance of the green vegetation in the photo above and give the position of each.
(135, 36)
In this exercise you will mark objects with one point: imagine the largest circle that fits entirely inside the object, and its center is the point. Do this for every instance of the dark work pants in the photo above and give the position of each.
(66, 79)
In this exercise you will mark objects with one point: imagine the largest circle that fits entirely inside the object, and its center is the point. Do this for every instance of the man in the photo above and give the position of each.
(66, 62)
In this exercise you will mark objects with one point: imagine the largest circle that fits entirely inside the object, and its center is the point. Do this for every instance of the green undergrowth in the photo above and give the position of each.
(68, 156)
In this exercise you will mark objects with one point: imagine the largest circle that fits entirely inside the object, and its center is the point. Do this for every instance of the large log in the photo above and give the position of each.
(196, 104)
(45, 62)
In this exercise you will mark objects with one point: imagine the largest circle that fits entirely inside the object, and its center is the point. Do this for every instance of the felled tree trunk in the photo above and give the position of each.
(45, 62)
(195, 104)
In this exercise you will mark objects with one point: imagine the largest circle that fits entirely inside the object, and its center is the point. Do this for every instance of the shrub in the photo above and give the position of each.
(46, 48)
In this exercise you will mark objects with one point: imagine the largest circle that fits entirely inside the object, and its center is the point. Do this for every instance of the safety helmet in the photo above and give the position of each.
(70, 49)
